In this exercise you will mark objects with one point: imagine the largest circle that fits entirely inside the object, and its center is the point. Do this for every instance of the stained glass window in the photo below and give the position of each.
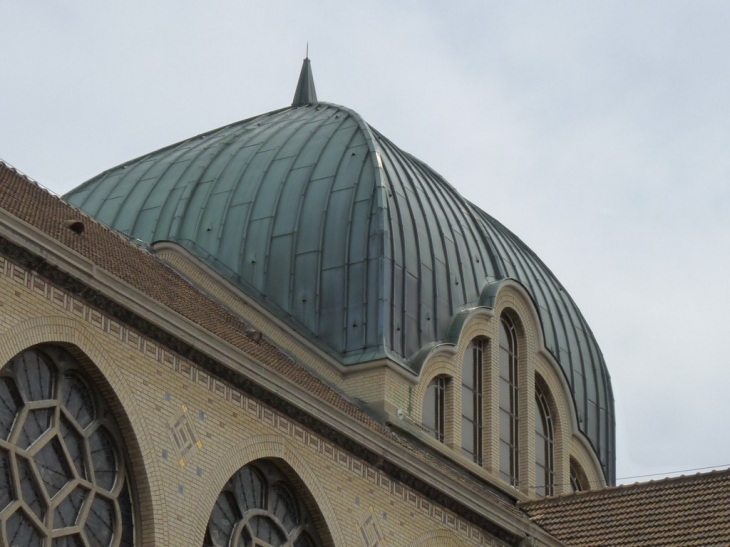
(258, 507)
(62, 474)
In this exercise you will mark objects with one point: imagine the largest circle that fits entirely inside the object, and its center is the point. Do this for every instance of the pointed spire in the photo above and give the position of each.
(305, 93)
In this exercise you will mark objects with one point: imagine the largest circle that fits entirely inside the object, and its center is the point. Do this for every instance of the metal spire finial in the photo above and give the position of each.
(305, 92)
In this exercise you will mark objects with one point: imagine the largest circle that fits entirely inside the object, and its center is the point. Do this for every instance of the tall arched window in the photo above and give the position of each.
(544, 439)
(508, 402)
(434, 408)
(471, 400)
(62, 468)
(259, 507)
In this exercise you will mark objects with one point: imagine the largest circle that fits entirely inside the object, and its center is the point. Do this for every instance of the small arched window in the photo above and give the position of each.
(508, 402)
(578, 479)
(258, 507)
(472, 394)
(434, 408)
(544, 439)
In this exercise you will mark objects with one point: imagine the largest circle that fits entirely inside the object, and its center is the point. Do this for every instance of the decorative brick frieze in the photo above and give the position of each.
(186, 437)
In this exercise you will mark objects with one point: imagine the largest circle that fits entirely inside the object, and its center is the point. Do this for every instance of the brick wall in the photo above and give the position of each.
(153, 391)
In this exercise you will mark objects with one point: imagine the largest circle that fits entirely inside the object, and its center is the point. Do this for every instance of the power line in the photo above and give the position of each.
(664, 474)
(671, 472)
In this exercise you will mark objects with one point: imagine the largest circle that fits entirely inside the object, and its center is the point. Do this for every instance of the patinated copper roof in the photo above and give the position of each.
(359, 246)
(684, 511)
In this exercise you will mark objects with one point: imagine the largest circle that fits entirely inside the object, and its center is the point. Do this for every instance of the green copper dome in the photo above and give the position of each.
(356, 244)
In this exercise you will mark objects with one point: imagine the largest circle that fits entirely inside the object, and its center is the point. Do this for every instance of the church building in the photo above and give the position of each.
(288, 332)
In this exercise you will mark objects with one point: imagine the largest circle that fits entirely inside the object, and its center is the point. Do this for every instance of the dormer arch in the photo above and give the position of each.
(535, 371)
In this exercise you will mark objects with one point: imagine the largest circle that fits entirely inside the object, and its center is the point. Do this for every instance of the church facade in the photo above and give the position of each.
(286, 332)
(184, 408)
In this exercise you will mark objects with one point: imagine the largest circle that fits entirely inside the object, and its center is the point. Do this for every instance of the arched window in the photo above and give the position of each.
(544, 439)
(578, 479)
(258, 507)
(471, 400)
(434, 408)
(508, 402)
(63, 473)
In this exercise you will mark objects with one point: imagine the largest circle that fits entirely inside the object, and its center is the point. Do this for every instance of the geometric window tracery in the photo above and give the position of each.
(63, 480)
(259, 508)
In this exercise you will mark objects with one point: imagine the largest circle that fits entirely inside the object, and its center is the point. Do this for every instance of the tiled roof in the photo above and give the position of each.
(688, 511)
(109, 250)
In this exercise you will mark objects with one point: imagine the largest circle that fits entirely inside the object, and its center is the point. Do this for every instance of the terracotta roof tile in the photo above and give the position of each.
(687, 511)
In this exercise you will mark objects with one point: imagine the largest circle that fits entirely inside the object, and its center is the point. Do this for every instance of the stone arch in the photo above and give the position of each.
(285, 454)
(447, 369)
(80, 341)
(446, 412)
(510, 293)
(444, 368)
(522, 328)
(438, 538)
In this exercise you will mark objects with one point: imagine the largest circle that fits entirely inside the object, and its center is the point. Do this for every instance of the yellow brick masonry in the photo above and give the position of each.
(533, 364)
(376, 385)
(386, 389)
(151, 388)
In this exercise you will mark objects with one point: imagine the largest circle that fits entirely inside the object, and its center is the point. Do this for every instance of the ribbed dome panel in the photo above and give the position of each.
(359, 246)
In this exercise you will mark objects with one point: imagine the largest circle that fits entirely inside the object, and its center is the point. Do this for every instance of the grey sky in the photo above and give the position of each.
(597, 132)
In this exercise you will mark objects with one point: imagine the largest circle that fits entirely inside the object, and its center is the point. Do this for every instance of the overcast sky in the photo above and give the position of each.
(599, 132)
